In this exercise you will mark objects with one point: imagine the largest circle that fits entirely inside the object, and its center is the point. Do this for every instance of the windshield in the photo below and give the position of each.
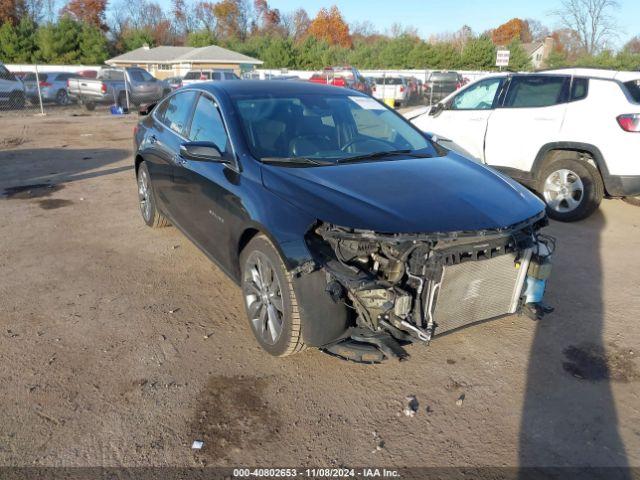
(330, 128)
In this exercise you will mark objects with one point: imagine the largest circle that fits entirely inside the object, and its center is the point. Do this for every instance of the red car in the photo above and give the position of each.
(348, 77)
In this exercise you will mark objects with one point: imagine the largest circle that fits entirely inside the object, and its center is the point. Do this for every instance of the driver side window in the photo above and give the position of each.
(477, 97)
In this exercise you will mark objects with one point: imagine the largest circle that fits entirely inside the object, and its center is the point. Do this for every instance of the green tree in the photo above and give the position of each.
(201, 38)
(479, 54)
(421, 56)
(518, 58)
(18, 43)
(395, 53)
(60, 42)
(445, 56)
(279, 54)
(556, 59)
(136, 38)
(93, 45)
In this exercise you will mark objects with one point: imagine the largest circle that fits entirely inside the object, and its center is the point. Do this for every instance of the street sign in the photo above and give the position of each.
(502, 58)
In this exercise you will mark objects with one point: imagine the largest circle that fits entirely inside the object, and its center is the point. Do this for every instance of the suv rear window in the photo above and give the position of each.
(389, 81)
(634, 89)
(443, 77)
(31, 77)
(536, 91)
(579, 89)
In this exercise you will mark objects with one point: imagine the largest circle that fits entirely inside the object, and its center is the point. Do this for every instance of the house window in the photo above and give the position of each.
(165, 66)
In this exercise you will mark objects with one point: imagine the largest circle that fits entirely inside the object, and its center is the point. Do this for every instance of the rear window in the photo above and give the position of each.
(198, 76)
(31, 77)
(536, 91)
(579, 89)
(389, 81)
(634, 89)
(444, 77)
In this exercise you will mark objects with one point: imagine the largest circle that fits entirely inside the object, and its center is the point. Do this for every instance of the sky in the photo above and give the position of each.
(439, 16)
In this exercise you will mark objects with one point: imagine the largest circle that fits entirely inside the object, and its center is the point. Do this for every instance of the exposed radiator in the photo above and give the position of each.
(478, 290)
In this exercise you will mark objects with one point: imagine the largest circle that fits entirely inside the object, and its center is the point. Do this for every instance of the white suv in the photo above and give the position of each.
(573, 135)
(11, 90)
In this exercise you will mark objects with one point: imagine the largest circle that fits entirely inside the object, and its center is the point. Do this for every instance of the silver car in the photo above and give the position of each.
(53, 87)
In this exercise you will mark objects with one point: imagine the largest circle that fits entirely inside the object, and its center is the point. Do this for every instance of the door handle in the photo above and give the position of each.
(476, 119)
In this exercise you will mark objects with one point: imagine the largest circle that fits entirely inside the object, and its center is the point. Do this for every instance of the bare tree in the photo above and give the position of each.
(538, 31)
(591, 20)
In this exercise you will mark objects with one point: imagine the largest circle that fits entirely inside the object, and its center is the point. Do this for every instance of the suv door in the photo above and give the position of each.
(463, 119)
(530, 116)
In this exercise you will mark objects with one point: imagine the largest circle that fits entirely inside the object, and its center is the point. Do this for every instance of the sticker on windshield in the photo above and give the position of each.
(367, 103)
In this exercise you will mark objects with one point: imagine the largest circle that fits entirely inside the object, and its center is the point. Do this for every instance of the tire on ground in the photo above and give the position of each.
(290, 340)
(156, 218)
(591, 181)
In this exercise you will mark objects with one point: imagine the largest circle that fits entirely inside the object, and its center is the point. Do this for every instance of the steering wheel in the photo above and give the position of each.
(355, 141)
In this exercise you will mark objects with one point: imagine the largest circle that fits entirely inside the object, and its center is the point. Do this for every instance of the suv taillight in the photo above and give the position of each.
(44, 84)
(103, 88)
(630, 122)
(401, 89)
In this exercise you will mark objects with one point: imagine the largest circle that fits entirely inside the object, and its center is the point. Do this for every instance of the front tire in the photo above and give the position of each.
(269, 299)
(62, 98)
(148, 207)
(571, 188)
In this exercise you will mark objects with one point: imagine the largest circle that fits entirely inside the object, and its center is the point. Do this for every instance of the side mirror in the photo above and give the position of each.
(201, 152)
(436, 109)
(145, 109)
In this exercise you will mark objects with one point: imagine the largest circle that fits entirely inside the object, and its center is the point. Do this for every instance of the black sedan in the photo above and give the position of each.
(346, 227)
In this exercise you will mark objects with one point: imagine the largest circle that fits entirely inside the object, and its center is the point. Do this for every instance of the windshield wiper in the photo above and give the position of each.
(390, 153)
(297, 161)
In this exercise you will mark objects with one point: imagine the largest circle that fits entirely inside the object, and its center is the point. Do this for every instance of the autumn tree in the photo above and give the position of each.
(301, 23)
(331, 27)
(633, 45)
(91, 12)
(11, 11)
(268, 20)
(513, 29)
(231, 19)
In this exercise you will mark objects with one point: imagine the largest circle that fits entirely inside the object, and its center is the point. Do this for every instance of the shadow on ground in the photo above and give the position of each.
(569, 417)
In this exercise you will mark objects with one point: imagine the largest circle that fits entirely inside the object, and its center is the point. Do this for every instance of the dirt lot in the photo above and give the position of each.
(120, 345)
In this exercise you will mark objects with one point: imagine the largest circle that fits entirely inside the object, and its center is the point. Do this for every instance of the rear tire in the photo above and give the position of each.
(148, 207)
(17, 100)
(571, 188)
(62, 98)
(90, 106)
(269, 299)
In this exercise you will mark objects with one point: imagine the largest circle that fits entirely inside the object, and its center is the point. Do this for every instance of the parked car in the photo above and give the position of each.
(52, 88)
(11, 89)
(110, 88)
(173, 83)
(440, 84)
(339, 219)
(394, 88)
(348, 77)
(197, 76)
(571, 135)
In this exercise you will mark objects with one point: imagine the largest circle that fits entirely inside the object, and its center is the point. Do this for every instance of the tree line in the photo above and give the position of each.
(91, 31)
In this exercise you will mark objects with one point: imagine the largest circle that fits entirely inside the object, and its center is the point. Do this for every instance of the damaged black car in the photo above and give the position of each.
(346, 227)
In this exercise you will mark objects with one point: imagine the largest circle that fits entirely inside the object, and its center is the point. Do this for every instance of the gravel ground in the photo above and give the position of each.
(121, 345)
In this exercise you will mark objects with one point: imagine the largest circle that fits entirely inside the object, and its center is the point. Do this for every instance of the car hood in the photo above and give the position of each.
(412, 195)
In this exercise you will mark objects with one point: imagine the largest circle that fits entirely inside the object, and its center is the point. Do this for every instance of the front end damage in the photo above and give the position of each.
(404, 288)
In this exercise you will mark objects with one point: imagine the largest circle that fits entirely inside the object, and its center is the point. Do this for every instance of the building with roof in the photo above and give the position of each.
(539, 52)
(165, 61)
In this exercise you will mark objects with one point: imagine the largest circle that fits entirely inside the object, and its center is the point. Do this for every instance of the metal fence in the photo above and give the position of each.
(43, 90)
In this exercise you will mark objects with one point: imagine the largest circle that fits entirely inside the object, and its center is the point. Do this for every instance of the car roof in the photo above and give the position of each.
(597, 73)
(274, 87)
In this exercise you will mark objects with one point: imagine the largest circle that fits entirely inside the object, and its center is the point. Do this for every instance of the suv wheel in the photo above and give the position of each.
(62, 98)
(571, 188)
(269, 299)
(152, 217)
(17, 100)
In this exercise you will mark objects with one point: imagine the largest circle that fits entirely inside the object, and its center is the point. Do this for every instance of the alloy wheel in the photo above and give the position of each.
(144, 194)
(263, 296)
(563, 190)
